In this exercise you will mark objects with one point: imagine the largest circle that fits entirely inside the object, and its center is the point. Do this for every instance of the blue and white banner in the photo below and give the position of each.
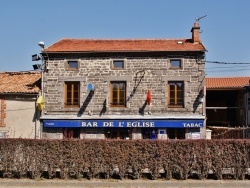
(166, 123)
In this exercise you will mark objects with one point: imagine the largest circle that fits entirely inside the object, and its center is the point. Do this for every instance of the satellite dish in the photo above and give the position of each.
(90, 87)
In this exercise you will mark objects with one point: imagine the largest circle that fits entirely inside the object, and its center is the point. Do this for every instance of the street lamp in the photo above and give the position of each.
(42, 67)
(41, 44)
(37, 57)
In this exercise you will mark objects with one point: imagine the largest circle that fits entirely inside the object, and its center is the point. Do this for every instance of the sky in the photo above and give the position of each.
(225, 29)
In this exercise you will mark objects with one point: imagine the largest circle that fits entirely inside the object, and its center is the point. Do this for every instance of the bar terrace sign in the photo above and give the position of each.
(186, 123)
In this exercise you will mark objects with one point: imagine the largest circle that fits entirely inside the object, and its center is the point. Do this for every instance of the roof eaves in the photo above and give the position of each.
(122, 51)
(19, 92)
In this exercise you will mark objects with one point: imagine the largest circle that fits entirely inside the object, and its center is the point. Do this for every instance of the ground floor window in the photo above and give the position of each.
(149, 133)
(71, 133)
(174, 133)
(118, 133)
(121, 133)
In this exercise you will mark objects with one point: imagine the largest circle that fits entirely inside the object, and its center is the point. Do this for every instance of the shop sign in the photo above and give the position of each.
(125, 123)
(195, 135)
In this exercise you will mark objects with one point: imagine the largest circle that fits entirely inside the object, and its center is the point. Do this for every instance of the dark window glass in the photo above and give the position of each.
(72, 91)
(118, 64)
(176, 94)
(118, 94)
(175, 63)
(72, 64)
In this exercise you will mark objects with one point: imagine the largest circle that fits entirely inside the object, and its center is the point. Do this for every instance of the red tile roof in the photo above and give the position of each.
(227, 83)
(126, 45)
(20, 82)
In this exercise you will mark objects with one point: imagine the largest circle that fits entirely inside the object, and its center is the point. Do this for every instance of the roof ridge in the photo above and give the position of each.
(123, 39)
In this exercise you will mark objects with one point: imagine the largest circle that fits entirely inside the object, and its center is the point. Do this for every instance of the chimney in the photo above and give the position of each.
(195, 33)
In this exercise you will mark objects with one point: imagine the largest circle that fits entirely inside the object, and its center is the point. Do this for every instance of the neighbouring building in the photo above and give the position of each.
(227, 106)
(124, 88)
(19, 117)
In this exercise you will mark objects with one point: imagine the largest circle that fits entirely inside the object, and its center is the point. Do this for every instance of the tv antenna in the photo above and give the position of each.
(198, 19)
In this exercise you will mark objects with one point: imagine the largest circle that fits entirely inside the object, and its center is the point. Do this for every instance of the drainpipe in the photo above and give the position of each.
(36, 115)
(42, 45)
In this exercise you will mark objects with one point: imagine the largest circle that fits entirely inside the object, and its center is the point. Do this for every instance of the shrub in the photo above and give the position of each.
(178, 159)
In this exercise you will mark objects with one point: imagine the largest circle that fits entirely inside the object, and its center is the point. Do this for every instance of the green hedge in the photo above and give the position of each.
(124, 158)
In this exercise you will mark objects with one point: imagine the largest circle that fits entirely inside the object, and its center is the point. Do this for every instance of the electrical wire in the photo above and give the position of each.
(234, 70)
(226, 63)
(227, 68)
(5, 110)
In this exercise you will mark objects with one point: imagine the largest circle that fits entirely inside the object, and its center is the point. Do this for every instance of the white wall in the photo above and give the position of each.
(20, 118)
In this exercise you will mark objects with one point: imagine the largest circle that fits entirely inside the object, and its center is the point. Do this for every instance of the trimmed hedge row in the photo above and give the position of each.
(124, 158)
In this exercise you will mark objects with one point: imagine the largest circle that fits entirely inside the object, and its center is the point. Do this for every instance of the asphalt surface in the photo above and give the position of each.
(17, 183)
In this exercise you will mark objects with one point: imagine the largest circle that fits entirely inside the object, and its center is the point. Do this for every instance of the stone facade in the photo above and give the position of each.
(140, 73)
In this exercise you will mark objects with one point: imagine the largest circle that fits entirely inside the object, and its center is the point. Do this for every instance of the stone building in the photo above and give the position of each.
(19, 117)
(124, 89)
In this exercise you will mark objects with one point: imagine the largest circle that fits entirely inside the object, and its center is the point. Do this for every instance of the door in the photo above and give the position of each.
(116, 133)
(174, 133)
(71, 133)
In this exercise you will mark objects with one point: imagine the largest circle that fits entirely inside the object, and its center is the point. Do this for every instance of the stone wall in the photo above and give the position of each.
(140, 74)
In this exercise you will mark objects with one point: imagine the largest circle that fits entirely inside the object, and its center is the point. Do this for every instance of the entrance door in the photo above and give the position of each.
(117, 133)
(71, 133)
(174, 133)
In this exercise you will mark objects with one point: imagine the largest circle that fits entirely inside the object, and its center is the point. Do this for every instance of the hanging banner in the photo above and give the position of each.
(40, 103)
(149, 97)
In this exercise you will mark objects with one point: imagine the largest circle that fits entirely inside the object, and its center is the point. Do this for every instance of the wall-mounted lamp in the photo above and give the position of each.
(201, 96)
(201, 99)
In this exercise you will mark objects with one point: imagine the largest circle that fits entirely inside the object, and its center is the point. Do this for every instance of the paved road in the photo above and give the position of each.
(16, 183)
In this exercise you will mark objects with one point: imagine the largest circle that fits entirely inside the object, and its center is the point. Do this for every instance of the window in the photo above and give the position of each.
(176, 94)
(118, 64)
(72, 94)
(72, 64)
(118, 94)
(175, 63)
(71, 133)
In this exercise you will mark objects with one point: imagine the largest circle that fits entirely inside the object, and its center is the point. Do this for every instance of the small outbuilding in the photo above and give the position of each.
(19, 117)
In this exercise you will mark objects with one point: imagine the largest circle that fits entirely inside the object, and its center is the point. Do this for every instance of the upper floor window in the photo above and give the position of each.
(72, 94)
(176, 94)
(118, 94)
(72, 65)
(118, 64)
(175, 63)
